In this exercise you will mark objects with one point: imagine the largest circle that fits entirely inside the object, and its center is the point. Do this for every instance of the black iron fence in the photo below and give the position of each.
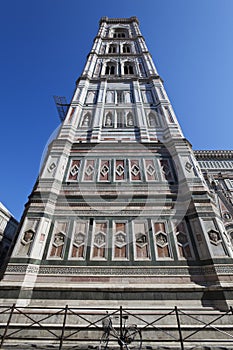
(71, 326)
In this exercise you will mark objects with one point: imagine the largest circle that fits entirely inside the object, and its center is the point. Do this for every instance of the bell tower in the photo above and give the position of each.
(120, 212)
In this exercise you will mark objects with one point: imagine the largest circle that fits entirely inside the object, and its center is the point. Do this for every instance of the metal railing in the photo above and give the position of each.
(76, 326)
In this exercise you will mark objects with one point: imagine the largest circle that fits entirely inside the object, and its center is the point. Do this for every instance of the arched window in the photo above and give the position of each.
(126, 48)
(120, 33)
(112, 49)
(128, 68)
(110, 69)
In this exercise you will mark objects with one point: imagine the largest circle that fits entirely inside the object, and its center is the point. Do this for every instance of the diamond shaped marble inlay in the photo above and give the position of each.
(104, 170)
(135, 170)
(150, 170)
(166, 169)
(89, 170)
(52, 166)
(120, 170)
(74, 170)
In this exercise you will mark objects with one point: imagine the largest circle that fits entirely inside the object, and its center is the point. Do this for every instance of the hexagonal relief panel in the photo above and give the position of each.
(99, 239)
(161, 239)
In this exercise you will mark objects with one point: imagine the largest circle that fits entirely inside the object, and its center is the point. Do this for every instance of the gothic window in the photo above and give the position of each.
(183, 242)
(141, 241)
(120, 170)
(112, 48)
(166, 170)
(150, 169)
(120, 33)
(99, 242)
(58, 239)
(129, 120)
(79, 238)
(104, 170)
(110, 69)
(120, 240)
(108, 120)
(86, 120)
(89, 170)
(161, 239)
(74, 170)
(126, 48)
(128, 68)
(135, 171)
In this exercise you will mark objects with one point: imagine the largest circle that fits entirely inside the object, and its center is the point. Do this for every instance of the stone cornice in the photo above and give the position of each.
(119, 20)
(220, 154)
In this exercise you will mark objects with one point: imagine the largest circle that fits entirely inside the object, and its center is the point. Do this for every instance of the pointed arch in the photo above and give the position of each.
(129, 119)
(152, 119)
(110, 68)
(108, 122)
(128, 68)
(86, 119)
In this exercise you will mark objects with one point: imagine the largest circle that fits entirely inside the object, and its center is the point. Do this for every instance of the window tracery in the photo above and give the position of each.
(128, 68)
(126, 48)
(112, 48)
(110, 68)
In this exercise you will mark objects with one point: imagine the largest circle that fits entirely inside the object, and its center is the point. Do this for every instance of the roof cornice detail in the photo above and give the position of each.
(119, 20)
(200, 154)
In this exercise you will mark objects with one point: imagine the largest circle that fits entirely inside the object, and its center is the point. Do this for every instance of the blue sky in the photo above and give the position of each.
(44, 44)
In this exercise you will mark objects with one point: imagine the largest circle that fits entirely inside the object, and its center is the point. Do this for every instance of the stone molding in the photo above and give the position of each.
(118, 271)
(208, 154)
